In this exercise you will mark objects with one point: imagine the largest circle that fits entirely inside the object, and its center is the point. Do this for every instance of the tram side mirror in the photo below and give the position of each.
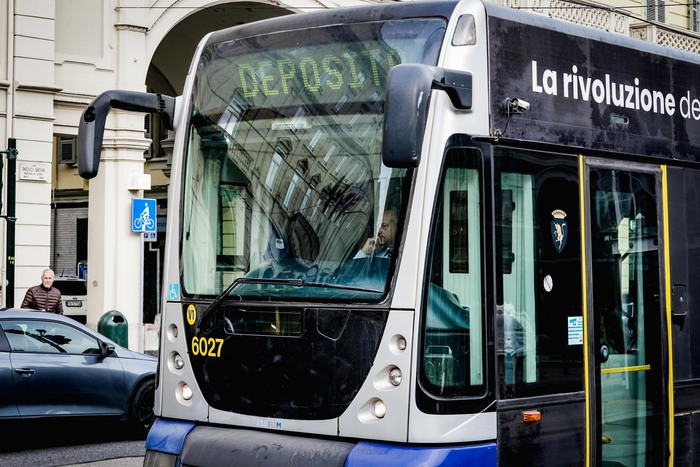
(409, 87)
(92, 122)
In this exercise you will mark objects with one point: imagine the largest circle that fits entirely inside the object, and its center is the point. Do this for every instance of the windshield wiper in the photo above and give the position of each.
(324, 285)
(216, 303)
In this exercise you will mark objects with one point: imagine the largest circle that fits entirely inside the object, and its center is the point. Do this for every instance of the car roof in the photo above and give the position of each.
(18, 313)
(24, 313)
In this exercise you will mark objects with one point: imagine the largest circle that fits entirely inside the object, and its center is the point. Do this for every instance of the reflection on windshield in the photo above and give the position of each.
(283, 179)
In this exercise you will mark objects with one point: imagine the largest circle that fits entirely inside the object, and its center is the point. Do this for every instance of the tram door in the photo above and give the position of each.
(626, 309)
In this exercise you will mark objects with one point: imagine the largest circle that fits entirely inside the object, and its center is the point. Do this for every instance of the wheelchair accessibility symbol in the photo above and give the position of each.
(173, 291)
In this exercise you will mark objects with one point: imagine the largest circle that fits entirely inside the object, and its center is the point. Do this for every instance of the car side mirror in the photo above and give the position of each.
(106, 349)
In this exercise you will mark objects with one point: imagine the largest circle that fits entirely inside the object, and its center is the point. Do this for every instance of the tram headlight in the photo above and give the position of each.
(395, 376)
(178, 361)
(401, 343)
(378, 408)
(186, 392)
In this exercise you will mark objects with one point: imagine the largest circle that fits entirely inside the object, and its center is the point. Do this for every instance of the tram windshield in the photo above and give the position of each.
(285, 191)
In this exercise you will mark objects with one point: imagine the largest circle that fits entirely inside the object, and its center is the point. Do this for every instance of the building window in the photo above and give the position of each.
(274, 170)
(66, 150)
(656, 10)
(290, 191)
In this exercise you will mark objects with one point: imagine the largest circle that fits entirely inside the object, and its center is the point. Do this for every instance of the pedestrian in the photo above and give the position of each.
(44, 297)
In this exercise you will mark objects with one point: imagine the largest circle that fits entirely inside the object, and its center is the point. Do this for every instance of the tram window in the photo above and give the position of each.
(452, 346)
(539, 293)
(625, 254)
(626, 312)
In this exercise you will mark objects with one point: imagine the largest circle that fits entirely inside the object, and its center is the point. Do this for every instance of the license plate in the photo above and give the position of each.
(74, 303)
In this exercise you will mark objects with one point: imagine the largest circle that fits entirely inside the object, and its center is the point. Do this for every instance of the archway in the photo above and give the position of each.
(167, 72)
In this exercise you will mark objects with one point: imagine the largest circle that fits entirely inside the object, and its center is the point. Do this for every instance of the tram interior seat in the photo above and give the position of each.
(447, 338)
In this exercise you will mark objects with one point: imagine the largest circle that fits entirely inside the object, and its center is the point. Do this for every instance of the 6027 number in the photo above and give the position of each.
(207, 346)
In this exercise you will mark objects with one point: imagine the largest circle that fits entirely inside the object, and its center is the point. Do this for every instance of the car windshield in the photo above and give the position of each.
(71, 286)
(284, 181)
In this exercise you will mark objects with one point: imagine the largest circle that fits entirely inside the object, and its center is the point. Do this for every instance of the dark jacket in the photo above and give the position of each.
(43, 299)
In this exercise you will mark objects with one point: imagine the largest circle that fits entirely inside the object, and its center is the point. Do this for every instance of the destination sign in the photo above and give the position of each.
(315, 74)
(335, 65)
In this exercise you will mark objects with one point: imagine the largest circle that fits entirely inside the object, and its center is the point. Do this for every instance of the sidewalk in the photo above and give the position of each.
(121, 462)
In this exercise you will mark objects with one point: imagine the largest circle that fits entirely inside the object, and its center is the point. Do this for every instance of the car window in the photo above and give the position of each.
(70, 287)
(48, 337)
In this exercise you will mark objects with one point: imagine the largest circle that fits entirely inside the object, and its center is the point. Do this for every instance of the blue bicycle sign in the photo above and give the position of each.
(143, 215)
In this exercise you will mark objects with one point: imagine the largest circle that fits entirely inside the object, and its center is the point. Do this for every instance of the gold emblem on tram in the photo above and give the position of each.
(191, 315)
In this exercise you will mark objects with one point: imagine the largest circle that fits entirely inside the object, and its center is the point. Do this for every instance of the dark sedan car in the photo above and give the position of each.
(53, 366)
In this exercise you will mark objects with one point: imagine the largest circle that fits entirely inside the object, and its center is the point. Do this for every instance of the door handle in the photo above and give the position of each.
(26, 372)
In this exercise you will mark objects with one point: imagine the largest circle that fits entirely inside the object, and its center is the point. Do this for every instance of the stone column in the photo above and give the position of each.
(115, 253)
